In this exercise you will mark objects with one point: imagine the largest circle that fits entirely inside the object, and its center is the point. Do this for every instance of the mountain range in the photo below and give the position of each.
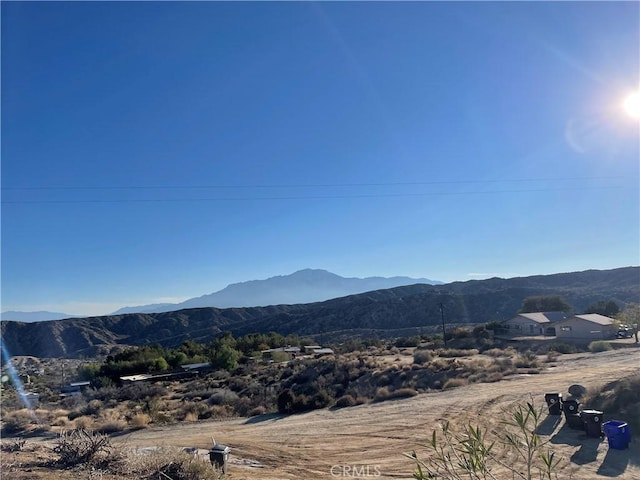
(404, 310)
(39, 316)
(303, 286)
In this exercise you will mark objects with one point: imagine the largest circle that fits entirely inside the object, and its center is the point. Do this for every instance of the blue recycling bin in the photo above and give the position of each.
(618, 434)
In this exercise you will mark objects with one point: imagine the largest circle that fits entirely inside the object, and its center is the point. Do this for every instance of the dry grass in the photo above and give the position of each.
(454, 382)
(620, 399)
(140, 420)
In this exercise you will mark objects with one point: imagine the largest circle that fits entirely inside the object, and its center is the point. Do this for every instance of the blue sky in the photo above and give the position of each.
(158, 151)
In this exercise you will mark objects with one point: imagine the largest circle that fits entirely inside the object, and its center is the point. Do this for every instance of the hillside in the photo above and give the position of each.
(395, 311)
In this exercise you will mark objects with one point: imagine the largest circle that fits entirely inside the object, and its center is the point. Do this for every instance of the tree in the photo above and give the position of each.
(224, 357)
(286, 400)
(609, 309)
(545, 303)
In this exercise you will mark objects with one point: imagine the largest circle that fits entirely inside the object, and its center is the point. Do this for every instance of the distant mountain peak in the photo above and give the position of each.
(302, 286)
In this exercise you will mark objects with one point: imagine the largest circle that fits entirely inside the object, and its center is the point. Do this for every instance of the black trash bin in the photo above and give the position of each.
(218, 456)
(574, 420)
(554, 402)
(571, 407)
(592, 420)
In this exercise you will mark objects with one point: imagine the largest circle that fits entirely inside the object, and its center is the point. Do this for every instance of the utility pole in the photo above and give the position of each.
(444, 332)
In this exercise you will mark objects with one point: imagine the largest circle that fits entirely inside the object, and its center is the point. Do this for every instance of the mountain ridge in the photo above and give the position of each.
(303, 286)
(319, 285)
(388, 312)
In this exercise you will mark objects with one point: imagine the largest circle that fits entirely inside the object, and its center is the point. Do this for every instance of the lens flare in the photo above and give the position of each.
(15, 378)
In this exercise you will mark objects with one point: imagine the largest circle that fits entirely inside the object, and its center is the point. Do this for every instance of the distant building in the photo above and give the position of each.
(310, 348)
(31, 400)
(590, 326)
(75, 388)
(534, 323)
(322, 351)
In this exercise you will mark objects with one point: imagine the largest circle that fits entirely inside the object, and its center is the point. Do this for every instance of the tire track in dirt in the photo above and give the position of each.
(308, 446)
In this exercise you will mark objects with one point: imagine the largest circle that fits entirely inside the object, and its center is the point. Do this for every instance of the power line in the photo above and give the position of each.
(305, 197)
(304, 185)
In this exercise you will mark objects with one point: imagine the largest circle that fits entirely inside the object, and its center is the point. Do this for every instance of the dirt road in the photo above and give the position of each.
(367, 441)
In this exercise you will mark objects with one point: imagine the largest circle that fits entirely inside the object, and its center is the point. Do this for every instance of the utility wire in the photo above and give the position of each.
(306, 197)
(302, 185)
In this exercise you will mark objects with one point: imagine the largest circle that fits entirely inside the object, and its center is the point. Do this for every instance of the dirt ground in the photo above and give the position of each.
(367, 441)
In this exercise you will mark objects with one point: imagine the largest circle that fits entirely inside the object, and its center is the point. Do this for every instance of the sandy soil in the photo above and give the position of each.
(368, 440)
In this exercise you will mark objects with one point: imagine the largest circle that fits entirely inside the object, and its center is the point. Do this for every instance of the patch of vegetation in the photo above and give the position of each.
(619, 399)
(421, 357)
(563, 348)
(84, 447)
(471, 453)
(599, 346)
(457, 352)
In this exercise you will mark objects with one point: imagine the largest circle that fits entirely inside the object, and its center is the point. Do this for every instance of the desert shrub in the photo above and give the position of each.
(345, 401)
(499, 352)
(113, 425)
(192, 411)
(92, 408)
(286, 400)
(171, 463)
(72, 415)
(71, 402)
(407, 342)
(75, 447)
(493, 377)
(321, 399)
(140, 420)
(526, 359)
(599, 346)
(459, 332)
(237, 384)
(563, 348)
(60, 421)
(259, 410)
(454, 382)
(457, 352)
(223, 397)
(421, 357)
(552, 356)
(381, 395)
(13, 446)
(18, 421)
(620, 398)
(83, 423)
(402, 393)
(477, 377)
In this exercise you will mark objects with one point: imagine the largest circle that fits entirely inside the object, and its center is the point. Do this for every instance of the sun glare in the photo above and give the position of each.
(632, 105)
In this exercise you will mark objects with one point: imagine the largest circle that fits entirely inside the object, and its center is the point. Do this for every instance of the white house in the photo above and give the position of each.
(590, 326)
(534, 323)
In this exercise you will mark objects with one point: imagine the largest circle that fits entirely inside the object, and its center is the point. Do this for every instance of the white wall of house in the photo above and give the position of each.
(578, 328)
(524, 326)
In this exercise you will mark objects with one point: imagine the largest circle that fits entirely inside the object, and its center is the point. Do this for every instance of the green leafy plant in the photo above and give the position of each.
(471, 454)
